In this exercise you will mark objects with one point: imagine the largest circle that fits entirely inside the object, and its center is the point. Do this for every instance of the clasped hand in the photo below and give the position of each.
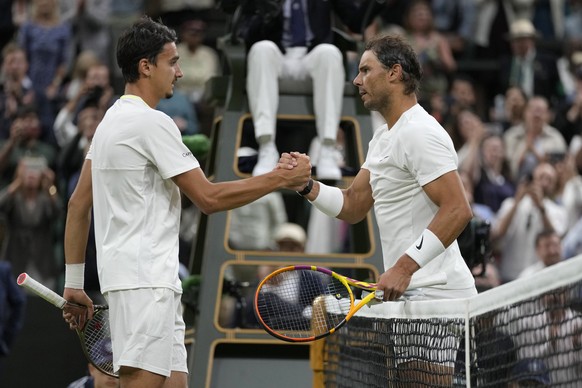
(299, 165)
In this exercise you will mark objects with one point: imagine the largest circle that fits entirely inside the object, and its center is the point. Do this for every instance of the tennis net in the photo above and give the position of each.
(527, 332)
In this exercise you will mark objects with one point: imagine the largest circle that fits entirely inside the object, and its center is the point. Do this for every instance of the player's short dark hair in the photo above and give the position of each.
(144, 39)
(392, 49)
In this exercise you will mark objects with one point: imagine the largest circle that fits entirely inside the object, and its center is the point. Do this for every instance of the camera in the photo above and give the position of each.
(475, 244)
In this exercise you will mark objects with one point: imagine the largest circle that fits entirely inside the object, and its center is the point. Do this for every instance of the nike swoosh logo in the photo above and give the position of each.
(420, 243)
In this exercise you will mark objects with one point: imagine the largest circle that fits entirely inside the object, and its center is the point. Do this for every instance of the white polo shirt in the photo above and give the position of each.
(414, 152)
(135, 152)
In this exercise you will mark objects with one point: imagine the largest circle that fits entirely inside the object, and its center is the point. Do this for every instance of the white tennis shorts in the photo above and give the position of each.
(147, 330)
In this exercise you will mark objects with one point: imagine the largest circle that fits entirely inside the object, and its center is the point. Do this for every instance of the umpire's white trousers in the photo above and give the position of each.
(324, 65)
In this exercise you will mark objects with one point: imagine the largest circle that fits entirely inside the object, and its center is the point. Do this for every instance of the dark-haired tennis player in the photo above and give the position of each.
(409, 177)
(132, 177)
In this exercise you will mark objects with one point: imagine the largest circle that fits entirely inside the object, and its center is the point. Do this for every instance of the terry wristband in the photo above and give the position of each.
(425, 248)
(75, 276)
(330, 200)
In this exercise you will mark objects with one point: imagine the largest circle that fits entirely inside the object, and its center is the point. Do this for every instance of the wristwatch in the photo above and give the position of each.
(307, 188)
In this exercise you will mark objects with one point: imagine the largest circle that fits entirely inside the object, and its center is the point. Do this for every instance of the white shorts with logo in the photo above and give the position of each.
(147, 330)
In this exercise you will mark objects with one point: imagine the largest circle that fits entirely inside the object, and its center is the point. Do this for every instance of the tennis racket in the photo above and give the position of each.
(302, 303)
(95, 336)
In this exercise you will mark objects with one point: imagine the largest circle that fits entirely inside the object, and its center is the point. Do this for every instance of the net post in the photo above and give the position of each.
(317, 348)
(316, 361)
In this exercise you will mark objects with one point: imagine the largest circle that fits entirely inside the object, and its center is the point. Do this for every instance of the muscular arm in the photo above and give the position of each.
(76, 235)
(453, 215)
(79, 218)
(212, 197)
(358, 198)
(454, 210)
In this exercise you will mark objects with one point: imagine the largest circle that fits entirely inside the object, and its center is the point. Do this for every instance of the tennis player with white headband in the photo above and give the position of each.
(410, 178)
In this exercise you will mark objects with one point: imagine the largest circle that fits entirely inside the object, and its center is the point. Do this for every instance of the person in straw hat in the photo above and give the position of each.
(529, 67)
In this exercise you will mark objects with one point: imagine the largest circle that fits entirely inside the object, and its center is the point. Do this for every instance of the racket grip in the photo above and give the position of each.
(438, 278)
(24, 280)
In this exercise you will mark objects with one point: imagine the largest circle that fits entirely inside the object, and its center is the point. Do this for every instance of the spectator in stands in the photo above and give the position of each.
(182, 111)
(97, 89)
(17, 90)
(461, 96)
(549, 330)
(456, 19)
(12, 308)
(528, 66)
(31, 205)
(565, 170)
(531, 142)
(82, 62)
(467, 133)
(253, 226)
(509, 112)
(520, 219)
(480, 210)
(489, 172)
(548, 252)
(569, 114)
(89, 21)
(290, 237)
(72, 155)
(572, 195)
(292, 41)
(47, 42)
(199, 63)
(529, 373)
(24, 140)
(433, 50)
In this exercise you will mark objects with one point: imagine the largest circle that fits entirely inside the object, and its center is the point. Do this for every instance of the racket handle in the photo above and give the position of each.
(24, 280)
(435, 279)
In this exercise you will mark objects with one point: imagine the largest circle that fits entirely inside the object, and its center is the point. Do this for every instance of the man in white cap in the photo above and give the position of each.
(528, 67)
(290, 237)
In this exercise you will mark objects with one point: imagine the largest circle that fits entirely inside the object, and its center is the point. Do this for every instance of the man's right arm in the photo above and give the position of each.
(76, 235)
(79, 218)
(356, 202)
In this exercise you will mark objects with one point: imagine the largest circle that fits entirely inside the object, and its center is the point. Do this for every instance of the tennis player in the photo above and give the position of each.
(409, 176)
(131, 179)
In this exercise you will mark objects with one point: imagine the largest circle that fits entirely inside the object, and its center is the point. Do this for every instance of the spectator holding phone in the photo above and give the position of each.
(30, 206)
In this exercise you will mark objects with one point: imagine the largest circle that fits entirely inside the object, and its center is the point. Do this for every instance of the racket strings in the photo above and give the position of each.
(97, 341)
(302, 304)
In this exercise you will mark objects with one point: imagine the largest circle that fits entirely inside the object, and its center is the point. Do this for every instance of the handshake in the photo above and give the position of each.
(295, 168)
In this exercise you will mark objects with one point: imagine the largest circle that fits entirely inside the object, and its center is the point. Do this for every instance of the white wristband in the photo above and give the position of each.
(75, 276)
(330, 200)
(425, 248)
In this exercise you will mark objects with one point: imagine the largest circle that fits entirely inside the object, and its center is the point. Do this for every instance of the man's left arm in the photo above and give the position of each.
(454, 213)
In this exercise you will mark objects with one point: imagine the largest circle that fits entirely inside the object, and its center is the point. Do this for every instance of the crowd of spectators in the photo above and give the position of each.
(503, 77)
(58, 77)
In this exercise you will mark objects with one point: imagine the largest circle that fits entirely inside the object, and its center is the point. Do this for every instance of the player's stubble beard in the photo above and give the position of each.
(378, 104)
